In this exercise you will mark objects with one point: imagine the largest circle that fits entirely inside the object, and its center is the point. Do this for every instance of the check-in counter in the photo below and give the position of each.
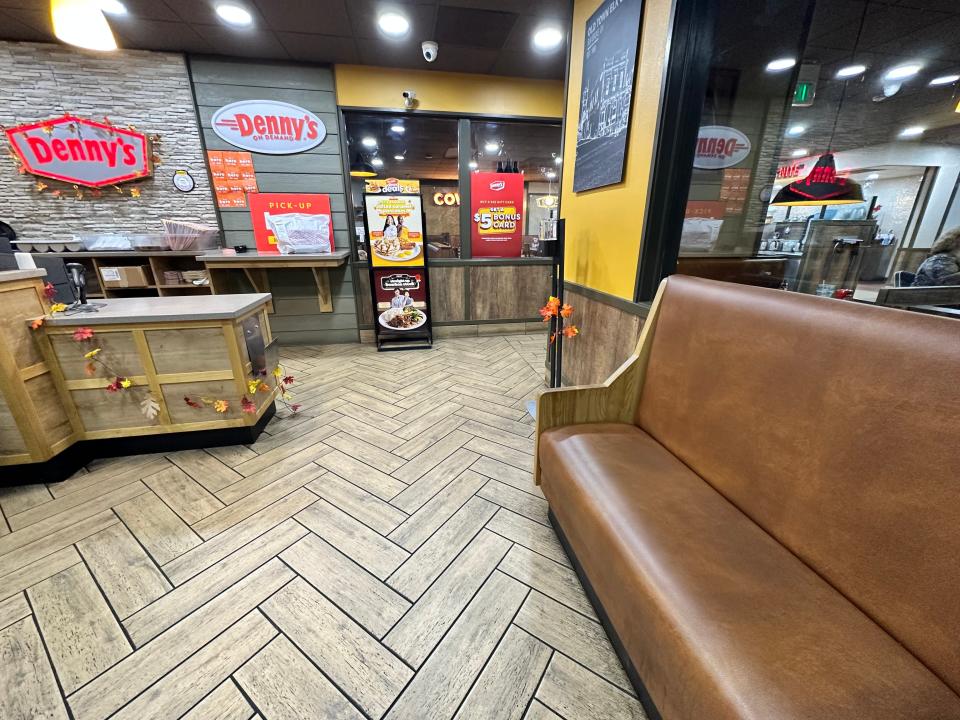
(138, 375)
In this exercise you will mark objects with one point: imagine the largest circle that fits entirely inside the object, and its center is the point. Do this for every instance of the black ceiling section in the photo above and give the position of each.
(475, 36)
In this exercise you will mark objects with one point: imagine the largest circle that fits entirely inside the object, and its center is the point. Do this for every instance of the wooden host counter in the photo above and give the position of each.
(55, 415)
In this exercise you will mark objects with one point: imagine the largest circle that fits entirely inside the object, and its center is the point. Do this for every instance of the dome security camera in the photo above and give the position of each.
(430, 50)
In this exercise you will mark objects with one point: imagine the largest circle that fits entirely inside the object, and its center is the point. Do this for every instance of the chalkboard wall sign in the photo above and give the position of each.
(606, 93)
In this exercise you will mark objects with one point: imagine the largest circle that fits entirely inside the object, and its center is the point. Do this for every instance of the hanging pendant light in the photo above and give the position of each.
(81, 23)
(821, 187)
(361, 168)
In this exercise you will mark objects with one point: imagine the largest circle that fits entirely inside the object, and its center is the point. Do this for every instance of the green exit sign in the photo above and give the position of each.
(803, 93)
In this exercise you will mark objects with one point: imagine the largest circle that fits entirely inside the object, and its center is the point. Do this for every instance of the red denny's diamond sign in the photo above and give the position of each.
(82, 152)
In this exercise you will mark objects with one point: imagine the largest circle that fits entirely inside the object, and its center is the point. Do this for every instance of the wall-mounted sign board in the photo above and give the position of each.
(269, 127)
(496, 204)
(82, 152)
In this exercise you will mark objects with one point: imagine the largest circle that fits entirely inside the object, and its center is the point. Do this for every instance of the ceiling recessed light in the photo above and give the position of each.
(851, 71)
(473, 165)
(780, 64)
(557, 160)
(902, 72)
(547, 38)
(550, 174)
(795, 130)
(398, 157)
(377, 162)
(945, 80)
(397, 128)
(800, 152)
(393, 24)
(873, 176)
(492, 147)
(369, 142)
(234, 15)
(81, 23)
(113, 7)
(912, 131)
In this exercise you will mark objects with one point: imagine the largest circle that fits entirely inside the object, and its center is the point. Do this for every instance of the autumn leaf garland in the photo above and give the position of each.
(554, 309)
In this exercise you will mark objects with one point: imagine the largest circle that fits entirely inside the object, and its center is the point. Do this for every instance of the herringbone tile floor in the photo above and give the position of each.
(382, 554)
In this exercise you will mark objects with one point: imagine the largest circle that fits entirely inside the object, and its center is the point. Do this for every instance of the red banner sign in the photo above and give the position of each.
(289, 223)
(82, 152)
(496, 203)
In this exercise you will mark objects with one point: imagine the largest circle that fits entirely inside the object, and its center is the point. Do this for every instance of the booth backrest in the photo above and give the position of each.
(833, 426)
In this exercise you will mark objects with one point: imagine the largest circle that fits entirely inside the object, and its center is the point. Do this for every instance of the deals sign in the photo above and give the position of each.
(82, 152)
(289, 223)
(268, 126)
(496, 204)
(395, 229)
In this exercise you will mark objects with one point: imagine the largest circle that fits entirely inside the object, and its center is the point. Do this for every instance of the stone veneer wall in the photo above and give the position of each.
(146, 89)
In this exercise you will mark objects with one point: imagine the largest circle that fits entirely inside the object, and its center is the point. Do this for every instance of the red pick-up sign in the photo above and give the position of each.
(82, 152)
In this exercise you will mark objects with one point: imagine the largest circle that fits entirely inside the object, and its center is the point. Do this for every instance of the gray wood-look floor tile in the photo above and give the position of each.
(574, 692)
(124, 571)
(509, 680)
(445, 678)
(161, 614)
(77, 506)
(551, 578)
(351, 537)
(111, 471)
(48, 536)
(203, 556)
(415, 530)
(521, 460)
(426, 439)
(518, 501)
(425, 565)
(364, 506)
(371, 434)
(530, 534)
(135, 673)
(358, 449)
(520, 443)
(184, 495)
(431, 457)
(363, 597)
(507, 474)
(358, 664)
(224, 703)
(279, 469)
(205, 469)
(12, 609)
(410, 430)
(81, 634)
(28, 688)
(157, 527)
(22, 578)
(572, 634)
(421, 490)
(232, 455)
(539, 711)
(292, 439)
(284, 684)
(423, 626)
(15, 500)
(198, 675)
(362, 475)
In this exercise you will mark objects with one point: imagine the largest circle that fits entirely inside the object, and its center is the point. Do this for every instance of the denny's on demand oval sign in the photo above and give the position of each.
(268, 126)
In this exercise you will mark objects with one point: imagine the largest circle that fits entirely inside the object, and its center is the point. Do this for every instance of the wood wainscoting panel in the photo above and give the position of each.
(100, 410)
(46, 399)
(608, 336)
(18, 305)
(11, 441)
(446, 292)
(188, 350)
(117, 349)
(364, 301)
(508, 292)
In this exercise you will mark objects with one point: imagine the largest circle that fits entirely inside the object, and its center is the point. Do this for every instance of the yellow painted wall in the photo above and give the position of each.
(378, 87)
(603, 225)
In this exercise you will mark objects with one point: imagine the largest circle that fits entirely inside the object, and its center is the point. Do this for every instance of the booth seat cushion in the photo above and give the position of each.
(719, 619)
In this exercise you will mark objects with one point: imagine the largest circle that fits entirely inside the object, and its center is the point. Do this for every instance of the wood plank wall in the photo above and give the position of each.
(218, 82)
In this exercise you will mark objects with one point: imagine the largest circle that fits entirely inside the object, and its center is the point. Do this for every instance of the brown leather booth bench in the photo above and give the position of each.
(764, 502)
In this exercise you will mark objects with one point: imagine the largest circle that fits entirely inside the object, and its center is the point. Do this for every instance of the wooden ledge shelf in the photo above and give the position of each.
(255, 266)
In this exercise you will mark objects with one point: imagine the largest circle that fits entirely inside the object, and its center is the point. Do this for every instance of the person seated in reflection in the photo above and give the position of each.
(942, 266)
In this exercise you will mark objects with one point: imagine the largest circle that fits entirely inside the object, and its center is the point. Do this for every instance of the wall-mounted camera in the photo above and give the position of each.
(409, 99)
(430, 50)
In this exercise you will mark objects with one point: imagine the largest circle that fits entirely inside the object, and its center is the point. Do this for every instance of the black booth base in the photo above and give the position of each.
(79, 454)
(632, 675)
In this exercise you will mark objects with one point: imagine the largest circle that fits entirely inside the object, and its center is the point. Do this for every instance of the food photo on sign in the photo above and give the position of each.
(401, 299)
(395, 228)
(496, 204)
(291, 223)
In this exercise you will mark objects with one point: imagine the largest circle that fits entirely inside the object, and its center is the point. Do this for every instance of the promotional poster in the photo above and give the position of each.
(606, 93)
(290, 223)
(401, 299)
(233, 177)
(395, 229)
(496, 205)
